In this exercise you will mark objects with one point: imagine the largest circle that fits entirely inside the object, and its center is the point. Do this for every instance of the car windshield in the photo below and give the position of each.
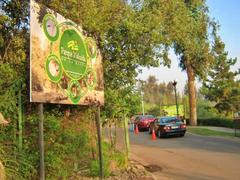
(169, 120)
(147, 117)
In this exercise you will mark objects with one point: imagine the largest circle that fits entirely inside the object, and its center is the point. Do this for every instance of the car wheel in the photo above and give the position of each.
(149, 130)
(159, 134)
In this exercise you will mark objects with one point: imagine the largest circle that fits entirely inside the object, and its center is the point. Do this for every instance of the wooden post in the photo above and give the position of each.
(41, 141)
(20, 117)
(126, 135)
(98, 124)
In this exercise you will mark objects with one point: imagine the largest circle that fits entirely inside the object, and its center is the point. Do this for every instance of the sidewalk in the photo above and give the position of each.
(214, 128)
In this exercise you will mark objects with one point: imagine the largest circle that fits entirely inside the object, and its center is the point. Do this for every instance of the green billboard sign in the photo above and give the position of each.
(73, 54)
(70, 60)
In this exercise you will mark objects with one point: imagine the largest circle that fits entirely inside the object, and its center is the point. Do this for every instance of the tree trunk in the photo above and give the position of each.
(192, 95)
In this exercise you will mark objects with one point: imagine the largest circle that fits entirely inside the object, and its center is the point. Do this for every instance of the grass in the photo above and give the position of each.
(171, 109)
(208, 132)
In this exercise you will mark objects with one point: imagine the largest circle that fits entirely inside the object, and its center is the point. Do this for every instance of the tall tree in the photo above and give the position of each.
(184, 26)
(14, 36)
(151, 90)
(221, 85)
(158, 93)
(192, 46)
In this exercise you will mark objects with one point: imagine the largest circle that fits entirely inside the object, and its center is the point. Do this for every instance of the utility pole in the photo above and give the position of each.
(175, 91)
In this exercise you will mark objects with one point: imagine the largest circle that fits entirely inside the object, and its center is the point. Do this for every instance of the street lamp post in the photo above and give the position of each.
(142, 104)
(175, 91)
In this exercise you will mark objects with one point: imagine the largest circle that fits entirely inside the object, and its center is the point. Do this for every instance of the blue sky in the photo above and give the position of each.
(227, 13)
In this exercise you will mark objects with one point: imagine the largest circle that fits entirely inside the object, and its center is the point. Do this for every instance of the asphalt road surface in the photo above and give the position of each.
(191, 157)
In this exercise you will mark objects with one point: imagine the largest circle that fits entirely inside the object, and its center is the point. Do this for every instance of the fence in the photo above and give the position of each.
(113, 132)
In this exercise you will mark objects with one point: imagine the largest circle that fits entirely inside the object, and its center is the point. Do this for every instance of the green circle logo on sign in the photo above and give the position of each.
(75, 91)
(50, 27)
(53, 68)
(73, 54)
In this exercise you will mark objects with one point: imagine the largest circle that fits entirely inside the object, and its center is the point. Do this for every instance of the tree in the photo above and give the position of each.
(184, 26)
(192, 46)
(14, 38)
(128, 34)
(151, 91)
(221, 86)
(158, 93)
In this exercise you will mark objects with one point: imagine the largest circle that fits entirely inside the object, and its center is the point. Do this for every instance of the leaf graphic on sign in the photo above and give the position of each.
(73, 45)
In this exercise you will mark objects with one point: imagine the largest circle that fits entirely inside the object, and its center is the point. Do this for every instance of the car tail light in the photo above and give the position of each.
(183, 126)
(167, 128)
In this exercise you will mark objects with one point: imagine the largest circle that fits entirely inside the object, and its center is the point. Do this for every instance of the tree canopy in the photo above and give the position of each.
(158, 93)
(221, 86)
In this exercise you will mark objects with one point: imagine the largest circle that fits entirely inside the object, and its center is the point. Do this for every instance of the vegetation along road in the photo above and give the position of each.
(190, 157)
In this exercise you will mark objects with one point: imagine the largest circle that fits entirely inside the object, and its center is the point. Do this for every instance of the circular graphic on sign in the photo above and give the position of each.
(53, 68)
(73, 54)
(50, 27)
(74, 90)
(91, 47)
(91, 79)
(84, 87)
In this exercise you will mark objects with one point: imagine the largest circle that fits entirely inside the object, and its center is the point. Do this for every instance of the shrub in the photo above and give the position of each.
(121, 159)
(94, 168)
(111, 157)
(220, 122)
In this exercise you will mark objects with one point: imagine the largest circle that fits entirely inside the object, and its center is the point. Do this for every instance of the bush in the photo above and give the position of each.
(94, 168)
(94, 165)
(67, 146)
(70, 145)
(120, 159)
(220, 122)
(154, 111)
(111, 157)
(206, 110)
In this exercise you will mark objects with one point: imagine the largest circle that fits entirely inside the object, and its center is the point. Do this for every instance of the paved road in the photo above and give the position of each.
(190, 157)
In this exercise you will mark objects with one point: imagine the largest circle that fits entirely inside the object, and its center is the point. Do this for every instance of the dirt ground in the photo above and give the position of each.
(134, 171)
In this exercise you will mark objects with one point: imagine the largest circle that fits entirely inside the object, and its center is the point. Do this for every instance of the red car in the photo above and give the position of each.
(143, 122)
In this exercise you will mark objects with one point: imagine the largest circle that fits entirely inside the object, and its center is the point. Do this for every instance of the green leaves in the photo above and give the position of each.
(221, 86)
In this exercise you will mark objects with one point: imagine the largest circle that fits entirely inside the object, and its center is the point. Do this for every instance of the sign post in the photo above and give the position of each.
(126, 135)
(99, 133)
(41, 141)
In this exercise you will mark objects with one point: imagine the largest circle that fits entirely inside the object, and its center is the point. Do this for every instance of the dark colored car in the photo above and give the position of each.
(143, 122)
(165, 126)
